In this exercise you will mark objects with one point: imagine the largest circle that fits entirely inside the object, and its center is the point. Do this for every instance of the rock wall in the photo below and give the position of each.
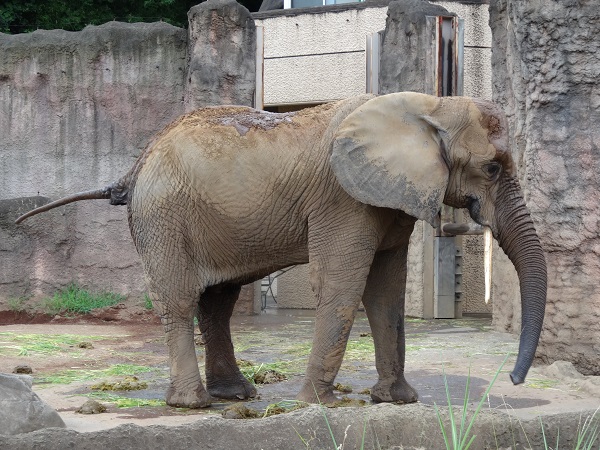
(76, 108)
(221, 63)
(547, 66)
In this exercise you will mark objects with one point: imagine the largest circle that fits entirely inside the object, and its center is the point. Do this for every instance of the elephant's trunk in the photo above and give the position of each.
(516, 235)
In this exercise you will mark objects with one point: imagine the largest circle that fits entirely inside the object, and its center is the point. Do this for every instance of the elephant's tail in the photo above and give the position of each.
(118, 193)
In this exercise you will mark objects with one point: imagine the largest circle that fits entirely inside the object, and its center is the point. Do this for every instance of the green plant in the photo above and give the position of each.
(17, 304)
(76, 375)
(125, 402)
(460, 436)
(26, 344)
(587, 433)
(148, 302)
(74, 299)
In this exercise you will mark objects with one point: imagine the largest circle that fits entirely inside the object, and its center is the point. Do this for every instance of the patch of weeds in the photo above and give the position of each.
(283, 407)
(125, 402)
(300, 349)
(77, 375)
(17, 304)
(27, 344)
(540, 383)
(148, 302)
(74, 299)
(460, 435)
(360, 349)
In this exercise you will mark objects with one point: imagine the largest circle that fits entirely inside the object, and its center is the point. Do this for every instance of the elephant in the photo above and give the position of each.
(226, 195)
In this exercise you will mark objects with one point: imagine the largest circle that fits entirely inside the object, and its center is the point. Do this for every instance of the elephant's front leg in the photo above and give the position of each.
(384, 304)
(338, 274)
(223, 376)
(186, 389)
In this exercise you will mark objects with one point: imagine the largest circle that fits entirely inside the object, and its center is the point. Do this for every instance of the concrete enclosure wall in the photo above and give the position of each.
(547, 67)
(76, 108)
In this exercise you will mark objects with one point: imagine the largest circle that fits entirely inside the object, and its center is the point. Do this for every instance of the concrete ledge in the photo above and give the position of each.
(381, 426)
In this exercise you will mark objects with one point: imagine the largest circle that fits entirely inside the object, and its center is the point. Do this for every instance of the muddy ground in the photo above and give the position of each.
(71, 355)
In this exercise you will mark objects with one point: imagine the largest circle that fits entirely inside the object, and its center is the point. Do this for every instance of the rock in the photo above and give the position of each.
(85, 345)
(91, 407)
(545, 75)
(221, 66)
(269, 5)
(21, 410)
(23, 369)
(561, 370)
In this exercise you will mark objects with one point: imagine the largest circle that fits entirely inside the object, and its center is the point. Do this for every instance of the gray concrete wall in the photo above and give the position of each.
(547, 60)
(75, 111)
(76, 108)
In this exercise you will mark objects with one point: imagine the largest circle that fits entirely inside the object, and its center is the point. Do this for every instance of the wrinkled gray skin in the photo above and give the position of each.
(226, 195)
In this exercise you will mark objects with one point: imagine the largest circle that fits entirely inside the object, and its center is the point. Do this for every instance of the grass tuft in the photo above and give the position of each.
(74, 299)
(461, 438)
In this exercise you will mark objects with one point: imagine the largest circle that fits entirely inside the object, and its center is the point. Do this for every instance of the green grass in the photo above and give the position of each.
(17, 304)
(74, 299)
(77, 375)
(460, 437)
(125, 402)
(12, 344)
(539, 383)
(148, 302)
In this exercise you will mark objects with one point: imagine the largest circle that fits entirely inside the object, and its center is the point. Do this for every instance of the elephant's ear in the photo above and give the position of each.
(389, 152)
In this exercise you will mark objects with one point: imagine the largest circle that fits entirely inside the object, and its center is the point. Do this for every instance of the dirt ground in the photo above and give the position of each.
(133, 339)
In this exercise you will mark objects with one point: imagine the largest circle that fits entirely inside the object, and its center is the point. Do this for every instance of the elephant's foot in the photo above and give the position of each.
(228, 388)
(194, 399)
(316, 394)
(398, 391)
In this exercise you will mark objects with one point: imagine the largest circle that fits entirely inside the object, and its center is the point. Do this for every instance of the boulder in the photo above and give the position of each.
(21, 410)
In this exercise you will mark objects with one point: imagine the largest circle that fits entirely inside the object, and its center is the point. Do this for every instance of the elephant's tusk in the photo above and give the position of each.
(487, 262)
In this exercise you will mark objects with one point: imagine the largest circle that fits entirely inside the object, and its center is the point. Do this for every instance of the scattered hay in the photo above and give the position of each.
(129, 383)
(343, 388)
(240, 411)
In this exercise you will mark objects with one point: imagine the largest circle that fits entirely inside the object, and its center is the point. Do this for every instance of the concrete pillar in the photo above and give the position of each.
(546, 61)
(221, 67)
(404, 63)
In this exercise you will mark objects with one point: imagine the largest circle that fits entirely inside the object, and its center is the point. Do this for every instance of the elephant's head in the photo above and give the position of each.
(413, 152)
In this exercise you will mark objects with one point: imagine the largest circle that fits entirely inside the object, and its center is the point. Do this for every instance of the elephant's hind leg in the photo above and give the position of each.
(177, 315)
(223, 377)
(384, 304)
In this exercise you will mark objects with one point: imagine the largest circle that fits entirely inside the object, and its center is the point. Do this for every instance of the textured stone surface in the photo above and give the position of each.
(388, 426)
(403, 61)
(21, 410)
(547, 61)
(75, 111)
(221, 59)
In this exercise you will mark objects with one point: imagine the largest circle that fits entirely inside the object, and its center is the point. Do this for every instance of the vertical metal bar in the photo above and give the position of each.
(259, 90)
(373, 53)
(460, 56)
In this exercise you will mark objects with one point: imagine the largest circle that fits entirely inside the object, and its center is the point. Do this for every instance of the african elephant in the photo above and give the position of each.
(226, 195)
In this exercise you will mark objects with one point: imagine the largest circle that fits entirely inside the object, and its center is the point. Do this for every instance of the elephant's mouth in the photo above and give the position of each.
(474, 208)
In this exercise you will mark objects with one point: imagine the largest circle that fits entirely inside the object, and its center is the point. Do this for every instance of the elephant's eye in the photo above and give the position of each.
(492, 169)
